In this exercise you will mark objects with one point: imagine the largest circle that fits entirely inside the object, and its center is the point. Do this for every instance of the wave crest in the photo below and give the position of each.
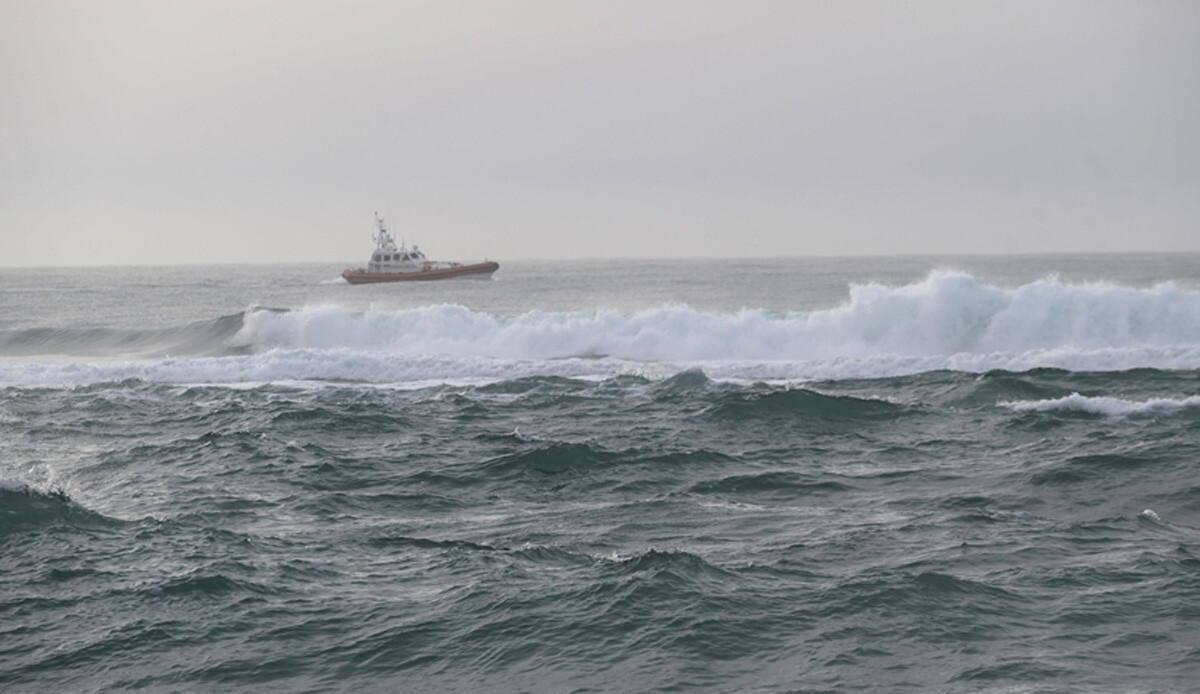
(947, 321)
(1104, 405)
(26, 509)
(946, 314)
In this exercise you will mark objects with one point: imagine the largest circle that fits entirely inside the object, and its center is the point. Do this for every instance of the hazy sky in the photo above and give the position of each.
(251, 131)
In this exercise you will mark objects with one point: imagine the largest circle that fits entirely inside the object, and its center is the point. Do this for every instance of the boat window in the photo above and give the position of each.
(376, 257)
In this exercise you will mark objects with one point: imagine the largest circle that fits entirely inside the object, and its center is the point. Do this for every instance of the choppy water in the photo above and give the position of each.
(903, 474)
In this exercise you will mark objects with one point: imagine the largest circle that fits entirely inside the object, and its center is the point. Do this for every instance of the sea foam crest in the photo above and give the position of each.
(947, 321)
(1104, 405)
(949, 317)
(948, 314)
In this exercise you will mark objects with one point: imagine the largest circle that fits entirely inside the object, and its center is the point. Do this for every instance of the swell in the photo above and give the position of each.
(992, 387)
(24, 509)
(209, 337)
(756, 405)
(345, 561)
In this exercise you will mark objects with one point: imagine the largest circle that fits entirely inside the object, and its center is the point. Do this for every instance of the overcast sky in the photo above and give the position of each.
(251, 131)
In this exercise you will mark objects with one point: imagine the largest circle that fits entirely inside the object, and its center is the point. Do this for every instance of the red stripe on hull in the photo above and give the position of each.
(360, 277)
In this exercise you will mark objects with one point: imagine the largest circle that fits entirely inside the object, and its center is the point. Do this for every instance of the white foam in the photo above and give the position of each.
(946, 314)
(1109, 406)
(12, 486)
(947, 321)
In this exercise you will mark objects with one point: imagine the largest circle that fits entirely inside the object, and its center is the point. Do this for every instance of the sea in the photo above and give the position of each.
(900, 474)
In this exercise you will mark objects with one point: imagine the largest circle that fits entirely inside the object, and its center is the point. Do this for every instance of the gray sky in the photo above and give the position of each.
(252, 131)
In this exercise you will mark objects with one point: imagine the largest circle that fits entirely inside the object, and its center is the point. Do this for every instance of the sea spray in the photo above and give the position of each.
(947, 321)
(944, 315)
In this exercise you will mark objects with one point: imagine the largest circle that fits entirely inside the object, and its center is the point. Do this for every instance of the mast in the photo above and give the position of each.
(383, 239)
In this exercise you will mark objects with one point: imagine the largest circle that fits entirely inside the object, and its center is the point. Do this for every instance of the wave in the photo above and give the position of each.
(799, 403)
(948, 321)
(26, 509)
(1104, 405)
(1002, 386)
(772, 485)
(947, 314)
(206, 337)
(675, 566)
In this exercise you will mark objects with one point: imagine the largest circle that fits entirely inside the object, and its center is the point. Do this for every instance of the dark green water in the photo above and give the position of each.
(954, 484)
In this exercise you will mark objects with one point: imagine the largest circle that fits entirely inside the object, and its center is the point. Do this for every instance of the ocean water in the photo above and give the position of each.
(821, 475)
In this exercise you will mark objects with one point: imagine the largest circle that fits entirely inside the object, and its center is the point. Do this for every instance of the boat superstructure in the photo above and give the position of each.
(399, 263)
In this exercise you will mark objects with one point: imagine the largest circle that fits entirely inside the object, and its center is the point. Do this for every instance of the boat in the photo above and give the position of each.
(392, 263)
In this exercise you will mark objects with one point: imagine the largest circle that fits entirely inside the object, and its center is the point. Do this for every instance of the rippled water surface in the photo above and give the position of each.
(908, 474)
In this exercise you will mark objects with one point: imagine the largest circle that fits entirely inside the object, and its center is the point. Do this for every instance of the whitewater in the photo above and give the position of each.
(830, 474)
(949, 320)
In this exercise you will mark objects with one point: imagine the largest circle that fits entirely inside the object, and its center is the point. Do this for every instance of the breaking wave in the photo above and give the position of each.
(1104, 405)
(947, 321)
(947, 314)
